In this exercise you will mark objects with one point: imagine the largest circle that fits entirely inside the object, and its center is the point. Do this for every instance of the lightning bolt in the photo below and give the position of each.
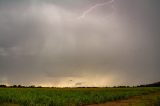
(94, 7)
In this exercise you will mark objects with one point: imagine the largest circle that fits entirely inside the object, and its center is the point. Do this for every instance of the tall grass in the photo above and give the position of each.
(67, 96)
(157, 101)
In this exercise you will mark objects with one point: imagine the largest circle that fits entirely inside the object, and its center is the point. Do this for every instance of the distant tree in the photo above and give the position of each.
(156, 84)
(32, 86)
(20, 86)
(3, 86)
(14, 86)
(39, 87)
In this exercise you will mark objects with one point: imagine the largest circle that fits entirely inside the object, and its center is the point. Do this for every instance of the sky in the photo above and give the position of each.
(72, 43)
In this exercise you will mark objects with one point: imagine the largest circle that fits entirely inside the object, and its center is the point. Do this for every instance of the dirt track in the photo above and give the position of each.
(146, 100)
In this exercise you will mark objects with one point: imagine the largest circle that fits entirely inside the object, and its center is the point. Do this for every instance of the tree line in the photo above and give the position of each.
(156, 84)
(19, 86)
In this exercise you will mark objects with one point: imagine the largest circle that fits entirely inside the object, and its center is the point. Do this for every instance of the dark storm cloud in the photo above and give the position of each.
(45, 42)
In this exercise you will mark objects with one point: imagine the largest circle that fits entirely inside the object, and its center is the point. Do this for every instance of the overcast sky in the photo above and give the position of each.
(79, 42)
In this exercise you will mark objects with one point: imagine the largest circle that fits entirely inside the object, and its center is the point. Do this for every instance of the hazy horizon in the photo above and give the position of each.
(76, 43)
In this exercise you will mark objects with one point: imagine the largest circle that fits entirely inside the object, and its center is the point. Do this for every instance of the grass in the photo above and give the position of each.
(157, 101)
(67, 96)
(147, 100)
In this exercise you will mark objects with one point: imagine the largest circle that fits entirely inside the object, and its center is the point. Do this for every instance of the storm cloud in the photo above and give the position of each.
(44, 42)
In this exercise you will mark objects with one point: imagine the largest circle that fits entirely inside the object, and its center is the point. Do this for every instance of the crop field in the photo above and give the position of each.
(67, 96)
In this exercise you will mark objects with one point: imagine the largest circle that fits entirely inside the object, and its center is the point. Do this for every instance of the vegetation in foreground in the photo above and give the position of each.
(149, 100)
(145, 100)
(68, 96)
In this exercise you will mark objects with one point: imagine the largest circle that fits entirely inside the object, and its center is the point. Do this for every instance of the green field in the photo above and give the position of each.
(67, 96)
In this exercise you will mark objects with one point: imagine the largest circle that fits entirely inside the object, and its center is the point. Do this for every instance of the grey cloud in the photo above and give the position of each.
(79, 84)
(46, 38)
